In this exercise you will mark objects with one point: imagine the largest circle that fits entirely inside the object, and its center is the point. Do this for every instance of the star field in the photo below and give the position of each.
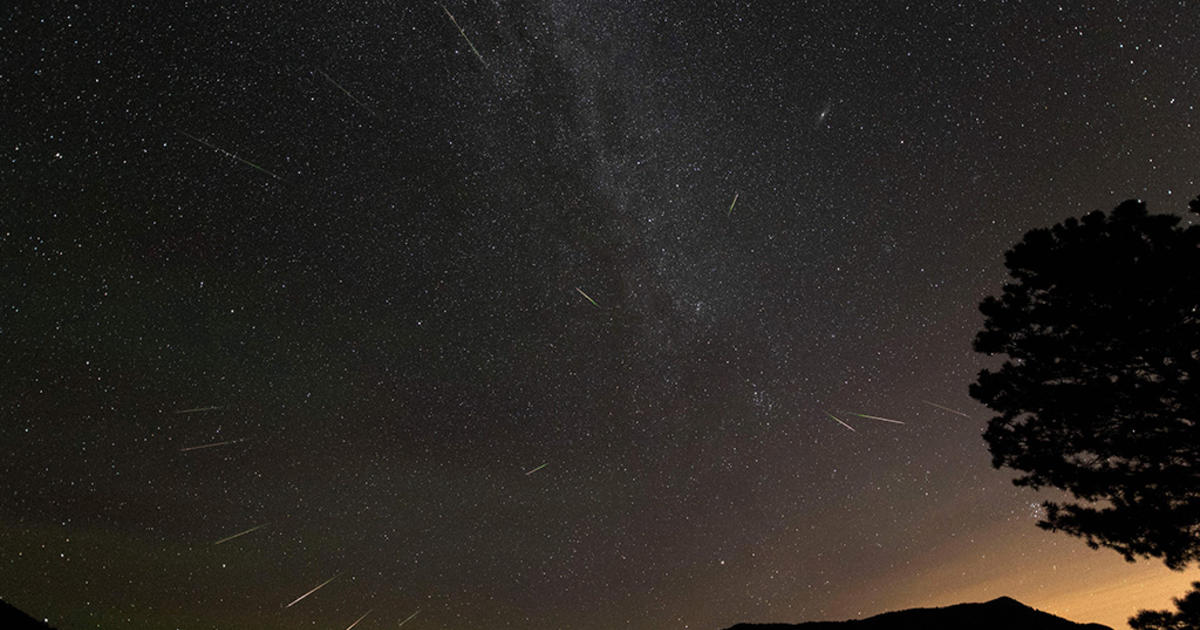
(469, 321)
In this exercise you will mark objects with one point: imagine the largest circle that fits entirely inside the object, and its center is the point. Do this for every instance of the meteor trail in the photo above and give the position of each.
(735, 196)
(240, 534)
(464, 35)
(408, 618)
(839, 421)
(359, 619)
(196, 410)
(228, 154)
(537, 469)
(315, 589)
(213, 445)
(944, 408)
(589, 298)
(346, 92)
(863, 415)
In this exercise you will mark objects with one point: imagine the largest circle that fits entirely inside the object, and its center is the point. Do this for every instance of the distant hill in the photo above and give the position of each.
(1004, 613)
(13, 619)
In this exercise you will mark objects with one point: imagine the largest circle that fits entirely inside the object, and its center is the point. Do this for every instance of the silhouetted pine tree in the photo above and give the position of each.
(1100, 392)
(1185, 617)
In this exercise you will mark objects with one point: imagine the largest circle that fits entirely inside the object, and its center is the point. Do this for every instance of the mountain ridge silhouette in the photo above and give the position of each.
(12, 618)
(1002, 613)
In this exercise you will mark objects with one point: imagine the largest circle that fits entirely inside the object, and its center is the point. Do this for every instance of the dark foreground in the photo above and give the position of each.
(1004, 613)
(13, 619)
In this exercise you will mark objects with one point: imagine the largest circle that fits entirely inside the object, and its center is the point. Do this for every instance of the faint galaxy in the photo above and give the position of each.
(539, 314)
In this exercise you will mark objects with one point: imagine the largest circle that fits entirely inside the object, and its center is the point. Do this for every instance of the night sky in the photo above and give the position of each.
(382, 269)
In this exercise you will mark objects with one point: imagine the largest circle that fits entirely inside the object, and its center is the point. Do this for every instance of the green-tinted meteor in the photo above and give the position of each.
(839, 421)
(589, 298)
(945, 408)
(407, 619)
(240, 534)
(537, 469)
(197, 410)
(735, 196)
(213, 445)
(863, 415)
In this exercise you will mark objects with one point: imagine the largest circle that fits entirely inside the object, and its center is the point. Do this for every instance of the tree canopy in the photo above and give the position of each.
(1099, 395)
(1185, 617)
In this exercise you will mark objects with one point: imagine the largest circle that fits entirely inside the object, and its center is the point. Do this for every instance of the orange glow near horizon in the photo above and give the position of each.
(1051, 572)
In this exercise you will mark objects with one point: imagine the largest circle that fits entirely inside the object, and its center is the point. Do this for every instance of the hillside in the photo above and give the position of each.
(12, 618)
(1003, 613)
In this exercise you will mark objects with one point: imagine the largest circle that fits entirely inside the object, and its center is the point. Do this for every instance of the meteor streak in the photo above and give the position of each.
(537, 469)
(213, 445)
(944, 408)
(839, 421)
(315, 589)
(464, 35)
(863, 415)
(589, 298)
(346, 92)
(228, 154)
(240, 534)
(735, 196)
(408, 618)
(197, 410)
(349, 627)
